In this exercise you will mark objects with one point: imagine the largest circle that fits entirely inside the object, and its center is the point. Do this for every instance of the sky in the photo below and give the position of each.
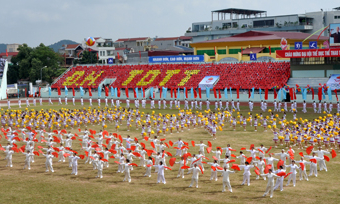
(48, 21)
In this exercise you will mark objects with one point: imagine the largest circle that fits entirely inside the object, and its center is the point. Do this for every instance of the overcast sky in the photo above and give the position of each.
(48, 21)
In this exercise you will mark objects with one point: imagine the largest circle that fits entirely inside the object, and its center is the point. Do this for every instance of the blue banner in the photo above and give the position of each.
(178, 94)
(207, 91)
(323, 93)
(329, 92)
(170, 59)
(81, 91)
(112, 92)
(192, 92)
(165, 91)
(151, 92)
(136, 89)
(226, 93)
(19, 93)
(284, 93)
(231, 93)
(252, 92)
(279, 95)
(116, 92)
(99, 91)
(141, 89)
(49, 91)
(66, 91)
(260, 93)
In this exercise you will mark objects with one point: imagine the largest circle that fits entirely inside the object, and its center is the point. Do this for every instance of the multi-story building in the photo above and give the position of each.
(133, 44)
(13, 47)
(105, 48)
(70, 52)
(232, 21)
(169, 43)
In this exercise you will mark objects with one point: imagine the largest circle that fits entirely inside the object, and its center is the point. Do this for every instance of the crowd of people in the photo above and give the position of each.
(47, 129)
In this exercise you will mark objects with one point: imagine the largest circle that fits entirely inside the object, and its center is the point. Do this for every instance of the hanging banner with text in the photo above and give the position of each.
(171, 59)
(307, 53)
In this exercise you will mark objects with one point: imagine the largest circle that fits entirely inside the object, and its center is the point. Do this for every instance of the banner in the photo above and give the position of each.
(99, 91)
(226, 93)
(207, 91)
(112, 92)
(81, 91)
(186, 58)
(334, 82)
(192, 92)
(231, 93)
(279, 94)
(151, 91)
(260, 93)
(329, 93)
(252, 92)
(136, 90)
(307, 53)
(49, 91)
(208, 82)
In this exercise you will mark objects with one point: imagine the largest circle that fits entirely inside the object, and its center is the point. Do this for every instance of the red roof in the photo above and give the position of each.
(72, 46)
(253, 50)
(166, 39)
(185, 37)
(266, 35)
(130, 39)
(9, 54)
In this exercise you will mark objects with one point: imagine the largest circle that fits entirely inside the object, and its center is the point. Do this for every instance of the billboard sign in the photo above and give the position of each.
(334, 34)
(208, 82)
(308, 53)
(253, 57)
(177, 58)
(334, 82)
(313, 45)
(298, 45)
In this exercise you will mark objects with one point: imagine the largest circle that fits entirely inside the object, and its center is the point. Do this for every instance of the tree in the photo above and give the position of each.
(87, 58)
(29, 62)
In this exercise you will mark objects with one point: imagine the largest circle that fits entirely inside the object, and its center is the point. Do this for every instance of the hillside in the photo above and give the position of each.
(58, 45)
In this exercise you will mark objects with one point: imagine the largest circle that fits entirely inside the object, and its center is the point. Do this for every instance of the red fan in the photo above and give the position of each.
(209, 144)
(63, 131)
(232, 160)
(302, 165)
(170, 143)
(92, 157)
(200, 168)
(185, 167)
(184, 147)
(243, 148)
(260, 151)
(233, 155)
(213, 168)
(266, 170)
(193, 143)
(167, 168)
(112, 157)
(333, 154)
(55, 154)
(257, 157)
(166, 144)
(66, 155)
(172, 161)
(288, 174)
(268, 149)
(280, 163)
(257, 172)
(309, 150)
(186, 144)
(149, 165)
(209, 149)
(133, 148)
(56, 149)
(146, 138)
(36, 153)
(282, 173)
(235, 167)
(117, 162)
(249, 159)
(143, 145)
(301, 154)
(326, 158)
(215, 158)
(120, 138)
(79, 130)
(105, 133)
(40, 147)
(169, 154)
(233, 150)
(136, 154)
(162, 139)
(220, 168)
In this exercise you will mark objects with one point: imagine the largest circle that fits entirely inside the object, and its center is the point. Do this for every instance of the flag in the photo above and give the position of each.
(66, 91)
(106, 91)
(171, 92)
(312, 93)
(49, 91)
(178, 95)
(73, 92)
(275, 94)
(118, 92)
(252, 92)
(215, 50)
(238, 92)
(215, 95)
(249, 93)
(118, 56)
(97, 56)
(226, 93)
(135, 92)
(186, 92)
(127, 92)
(6, 53)
(219, 93)
(160, 92)
(151, 91)
(279, 95)
(192, 92)
(59, 93)
(323, 93)
(165, 92)
(143, 92)
(320, 93)
(336, 94)
(270, 50)
(195, 93)
(241, 50)
(81, 91)
(90, 92)
(329, 92)
(260, 93)
(231, 93)
(40, 92)
(200, 92)
(112, 92)
(284, 94)
(99, 91)
(175, 93)
(207, 91)
(266, 94)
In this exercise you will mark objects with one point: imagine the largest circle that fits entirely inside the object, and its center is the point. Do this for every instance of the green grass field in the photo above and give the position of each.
(36, 186)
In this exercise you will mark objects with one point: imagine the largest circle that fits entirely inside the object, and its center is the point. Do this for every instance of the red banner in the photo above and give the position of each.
(308, 53)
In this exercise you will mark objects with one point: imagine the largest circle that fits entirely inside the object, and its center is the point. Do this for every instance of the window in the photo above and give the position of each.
(226, 25)
(336, 17)
(264, 23)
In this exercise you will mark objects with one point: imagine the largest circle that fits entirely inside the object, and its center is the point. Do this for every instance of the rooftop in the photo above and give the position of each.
(239, 11)
(131, 39)
(266, 35)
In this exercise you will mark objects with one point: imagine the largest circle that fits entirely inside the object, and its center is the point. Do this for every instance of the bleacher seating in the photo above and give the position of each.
(240, 75)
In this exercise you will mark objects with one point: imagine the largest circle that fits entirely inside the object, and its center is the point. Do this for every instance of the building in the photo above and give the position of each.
(8, 56)
(264, 43)
(233, 21)
(13, 47)
(134, 44)
(169, 43)
(70, 52)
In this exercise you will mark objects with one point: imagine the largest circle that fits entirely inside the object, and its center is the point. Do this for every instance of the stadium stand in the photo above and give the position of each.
(236, 75)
